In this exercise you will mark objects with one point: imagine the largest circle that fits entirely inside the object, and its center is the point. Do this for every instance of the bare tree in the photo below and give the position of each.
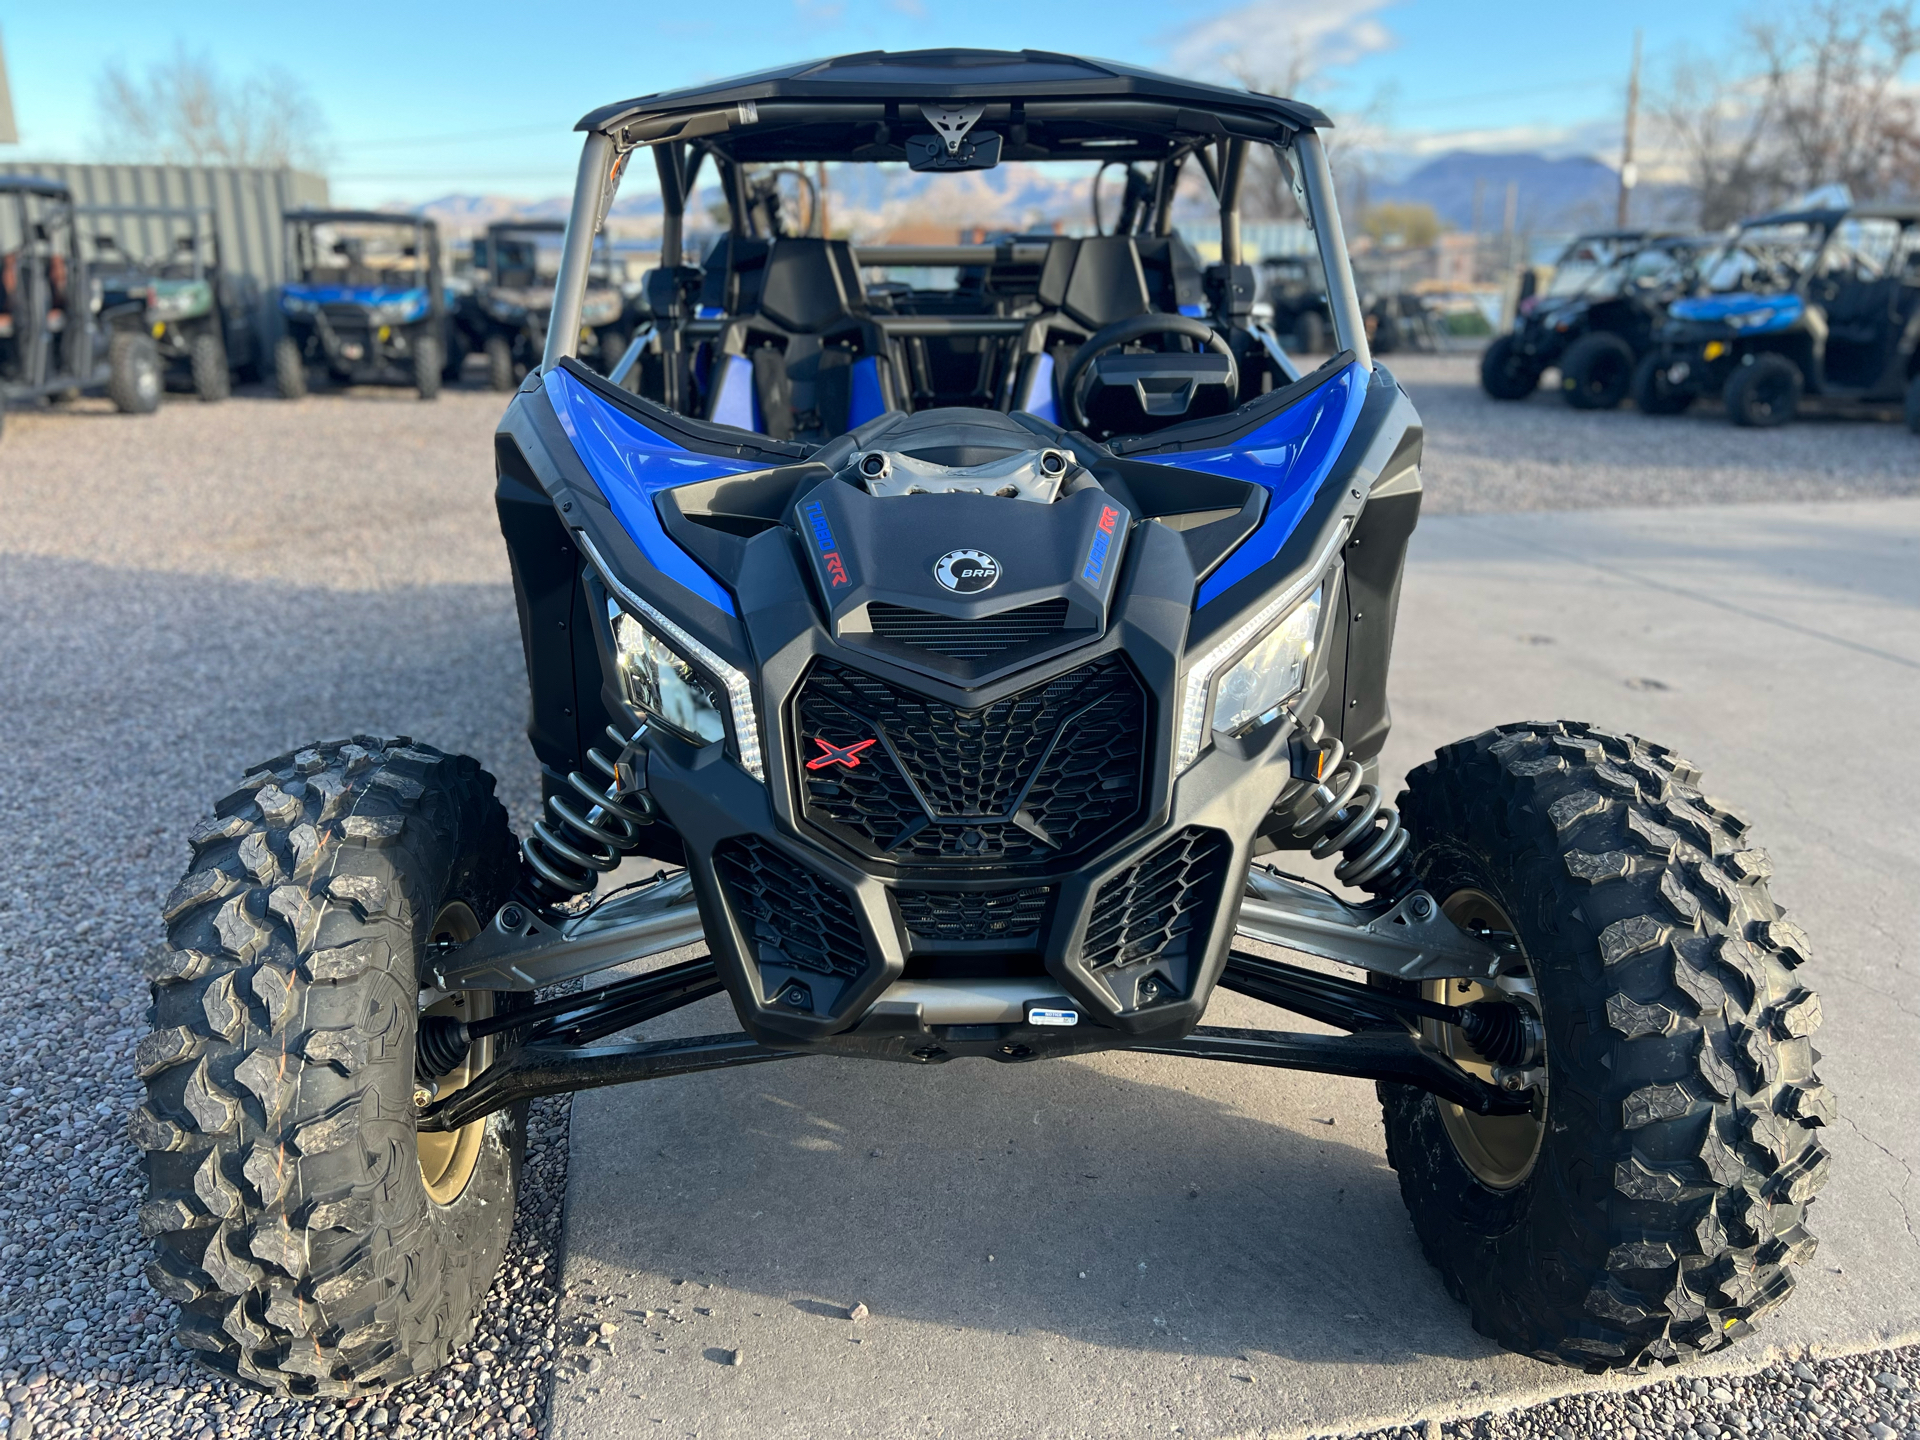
(1811, 101)
(184, 111)
(1838, 111)
(1719, 130)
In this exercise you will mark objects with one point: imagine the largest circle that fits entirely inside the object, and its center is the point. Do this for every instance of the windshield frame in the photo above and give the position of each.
(682, 132)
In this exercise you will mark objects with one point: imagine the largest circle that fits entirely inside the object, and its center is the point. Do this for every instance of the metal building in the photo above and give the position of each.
(247, 207)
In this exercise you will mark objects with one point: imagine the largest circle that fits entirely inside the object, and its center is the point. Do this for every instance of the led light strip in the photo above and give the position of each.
(746, 727)
(1193, 706)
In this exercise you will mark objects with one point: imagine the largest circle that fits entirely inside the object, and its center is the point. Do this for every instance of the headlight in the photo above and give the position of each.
(1251, 692)
(660, 682)
(395, 312)
(679, 647)
(1753, 319)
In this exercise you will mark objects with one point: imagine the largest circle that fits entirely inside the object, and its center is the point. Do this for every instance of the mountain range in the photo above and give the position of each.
(1551, 195)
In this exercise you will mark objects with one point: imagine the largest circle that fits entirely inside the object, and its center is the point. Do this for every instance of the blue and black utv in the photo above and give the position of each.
(972, 655)
(365, 303)
(1818, 306)
(1596, 318)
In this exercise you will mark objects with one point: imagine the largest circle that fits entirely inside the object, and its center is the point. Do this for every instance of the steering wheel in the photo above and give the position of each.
(1125, 332)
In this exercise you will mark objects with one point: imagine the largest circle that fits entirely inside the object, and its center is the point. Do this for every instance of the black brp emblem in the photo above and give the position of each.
(966, 572)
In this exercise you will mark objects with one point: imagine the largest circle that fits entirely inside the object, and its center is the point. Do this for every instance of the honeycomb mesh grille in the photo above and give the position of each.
(1008, 915)
(967, 639)
(1038, 775)
(1154, 909)
(790, 915)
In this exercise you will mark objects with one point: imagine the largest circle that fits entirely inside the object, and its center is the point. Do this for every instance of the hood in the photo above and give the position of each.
(399, 306)
(1743, 311)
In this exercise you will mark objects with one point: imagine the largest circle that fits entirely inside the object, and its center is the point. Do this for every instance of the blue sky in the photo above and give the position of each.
(425, 100)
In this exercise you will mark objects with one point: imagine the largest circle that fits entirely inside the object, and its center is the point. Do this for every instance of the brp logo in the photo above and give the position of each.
(966, 572)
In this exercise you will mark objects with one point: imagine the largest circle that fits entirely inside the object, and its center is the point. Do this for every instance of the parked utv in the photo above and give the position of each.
(57, 336)
(505, 317)
(969, 664)
(1595, 319)
(1820, 305)
(365, 303)
(201, 318)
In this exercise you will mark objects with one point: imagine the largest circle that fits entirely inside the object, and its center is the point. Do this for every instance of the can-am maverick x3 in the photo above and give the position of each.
(972, 649)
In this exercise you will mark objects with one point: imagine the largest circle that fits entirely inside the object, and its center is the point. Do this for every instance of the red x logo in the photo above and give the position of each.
(847, 755)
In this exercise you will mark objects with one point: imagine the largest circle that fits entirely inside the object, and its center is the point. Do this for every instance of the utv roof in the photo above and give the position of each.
(861, 107)
(364, 217)
(1830, 216)
(36, 185)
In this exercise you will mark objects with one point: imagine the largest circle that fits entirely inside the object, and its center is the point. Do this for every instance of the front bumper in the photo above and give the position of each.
(822, 947)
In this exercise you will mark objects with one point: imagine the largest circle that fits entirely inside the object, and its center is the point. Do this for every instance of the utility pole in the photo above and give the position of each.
(1629, 173)
(9, 133)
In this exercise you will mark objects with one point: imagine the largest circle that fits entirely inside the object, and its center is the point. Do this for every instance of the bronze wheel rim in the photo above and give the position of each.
(1499, 1150)
(448, 1158)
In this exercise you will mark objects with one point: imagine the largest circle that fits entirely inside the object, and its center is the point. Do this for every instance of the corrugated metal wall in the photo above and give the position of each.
(247, 206)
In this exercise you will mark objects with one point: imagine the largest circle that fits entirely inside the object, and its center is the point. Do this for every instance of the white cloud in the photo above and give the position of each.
(1282, 42)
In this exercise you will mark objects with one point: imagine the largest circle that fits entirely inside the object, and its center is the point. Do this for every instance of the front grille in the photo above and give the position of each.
(1039, 775)
(1010, 915)
(1156, 908)
(790, 915)
(967, 639)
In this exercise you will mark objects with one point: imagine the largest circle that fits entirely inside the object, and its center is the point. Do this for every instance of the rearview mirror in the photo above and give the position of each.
(975, 152)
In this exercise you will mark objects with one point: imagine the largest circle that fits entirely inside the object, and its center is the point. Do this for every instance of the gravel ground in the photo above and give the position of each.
(183, 595)
(1861, 1397)
(1539, 454)
(190, 592)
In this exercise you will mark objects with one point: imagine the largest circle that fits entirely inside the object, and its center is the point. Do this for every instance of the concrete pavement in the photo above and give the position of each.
(1126, 1245)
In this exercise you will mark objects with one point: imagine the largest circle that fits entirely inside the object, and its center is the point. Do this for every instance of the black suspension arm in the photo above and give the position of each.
(641, 998)
(1373, 1055)
(1328, 998)
(554, 1070)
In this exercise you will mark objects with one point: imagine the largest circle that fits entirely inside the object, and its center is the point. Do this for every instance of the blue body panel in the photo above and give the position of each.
(1290, 458)
(1039, 400)
(368, 295)
(1737, 310)
(631, 464)
(867, 402)
(734, 402)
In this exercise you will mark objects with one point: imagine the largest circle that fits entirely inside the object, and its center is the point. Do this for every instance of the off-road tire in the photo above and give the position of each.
(286, 1205)
(1505, 375)
(1764, 392)
(1913, 405)
(135, 377)
(1596, 373)
(207, 355)
(1667, 1203)
(289, 369)
(429, 360)
(458, 348)
(500, 374)
(1310, 334)
(1653, 393)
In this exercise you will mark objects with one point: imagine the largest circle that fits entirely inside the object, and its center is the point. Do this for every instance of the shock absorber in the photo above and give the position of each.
(1344, 814)
(596, 826)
